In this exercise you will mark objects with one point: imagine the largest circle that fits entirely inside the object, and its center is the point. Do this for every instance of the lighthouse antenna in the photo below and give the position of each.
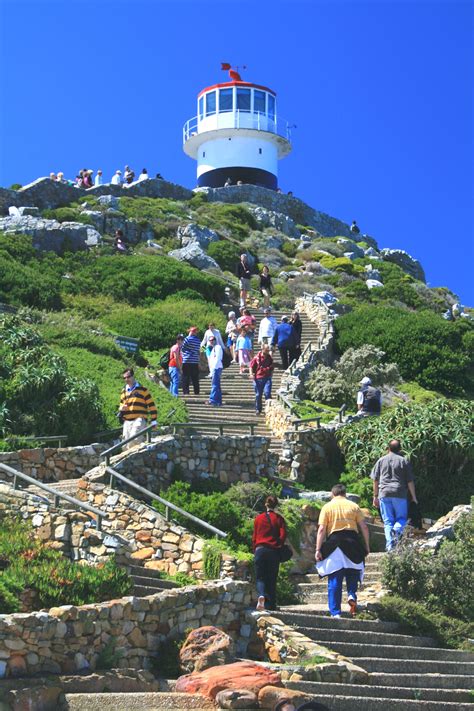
(233, 74)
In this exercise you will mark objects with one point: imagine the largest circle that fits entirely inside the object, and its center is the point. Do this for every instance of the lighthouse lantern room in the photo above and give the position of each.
(237, 134)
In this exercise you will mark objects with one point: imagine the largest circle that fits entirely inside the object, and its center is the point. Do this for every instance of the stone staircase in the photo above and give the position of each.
(405, 672)
(137, 701)
(238, 393)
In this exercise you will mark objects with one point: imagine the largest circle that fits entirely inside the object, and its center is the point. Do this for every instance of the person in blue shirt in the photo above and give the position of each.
(190, 351)
(285, 338)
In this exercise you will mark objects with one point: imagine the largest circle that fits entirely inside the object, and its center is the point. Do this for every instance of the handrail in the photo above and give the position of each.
(111, 450)
(286, 402)
(297, 423)
(212, 425)
(109, 433)
(57, 438)
(57, 494)
(168, 505)
(342, 410)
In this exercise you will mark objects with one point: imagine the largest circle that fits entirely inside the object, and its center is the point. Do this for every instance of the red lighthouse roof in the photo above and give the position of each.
(236, 83)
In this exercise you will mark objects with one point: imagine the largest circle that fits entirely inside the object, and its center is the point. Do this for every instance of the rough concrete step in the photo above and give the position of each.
(421, 681)
(331, 637)
(141, 571)
(147, 581)
(138, 701)
(350, 703)
(419, 666)
(371, 575)
(408, 652)
(303, 618)
(146, 590)
(383, 692)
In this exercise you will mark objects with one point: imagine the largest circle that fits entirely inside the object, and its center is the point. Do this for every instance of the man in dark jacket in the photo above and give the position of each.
(284, 338)
(369, 399)
(261, 371)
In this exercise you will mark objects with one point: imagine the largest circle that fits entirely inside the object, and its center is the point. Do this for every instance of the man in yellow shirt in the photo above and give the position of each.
(339, 551)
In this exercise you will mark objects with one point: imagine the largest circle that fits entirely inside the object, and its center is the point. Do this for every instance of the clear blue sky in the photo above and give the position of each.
(381, 93)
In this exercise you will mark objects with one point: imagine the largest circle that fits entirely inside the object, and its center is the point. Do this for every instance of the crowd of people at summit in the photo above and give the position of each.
(86, 179)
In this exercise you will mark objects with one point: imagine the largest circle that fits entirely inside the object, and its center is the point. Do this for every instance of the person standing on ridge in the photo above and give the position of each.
(98, 178)
(269, 535)
(369, 399)
(117, 178)
(143, 175)
(244, 273)
(136, 404)
(175, 365)
(191, 349)
(261, 371)
(392, 477)
(355, 228)
(339, 552)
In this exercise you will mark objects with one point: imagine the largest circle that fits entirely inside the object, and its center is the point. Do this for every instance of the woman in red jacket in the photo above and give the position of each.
(269, 534)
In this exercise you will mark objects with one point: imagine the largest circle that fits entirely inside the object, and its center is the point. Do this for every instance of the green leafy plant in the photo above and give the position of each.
(225, 253)
(108, 657)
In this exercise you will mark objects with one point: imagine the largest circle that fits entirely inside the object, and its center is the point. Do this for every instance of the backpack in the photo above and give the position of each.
(372, 401)
(226, 358)
(164, 360)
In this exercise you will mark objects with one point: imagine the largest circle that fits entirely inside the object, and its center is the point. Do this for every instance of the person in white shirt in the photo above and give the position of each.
(98, 178)
(215, 365)
(117, 178)
(267, 327)
(143, 175)
(232, 331)
(212, 332)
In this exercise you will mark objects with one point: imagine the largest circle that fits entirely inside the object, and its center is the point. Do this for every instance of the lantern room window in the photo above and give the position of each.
(243, 99)
(271, 107)
(259, 101)
(226, 100)
(210, 103)
(201, 108)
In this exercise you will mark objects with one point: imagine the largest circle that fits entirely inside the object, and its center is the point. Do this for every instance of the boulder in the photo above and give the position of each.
(270, 696)
(237, 699)
(325, 496)
(50, 235)
(205, 647)
(110, 201)
(195, 256)
(273, 242)
(409, 264)
(372, 273)
(277, 220)
(195, 233)
(444, 527)
(236, 676)
(349, 246)
(317, 268)
(373, 283)
(372, 253)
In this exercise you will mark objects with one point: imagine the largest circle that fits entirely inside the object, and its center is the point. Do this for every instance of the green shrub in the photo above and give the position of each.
(226, 254)
(67, 214)
(108, 657)
(415, 618)
(285, 589)
(426, 348)
(233, 220)
(290, 249)
(152, 209)
(436, 436)
(157, 326)
(339, 385)
(27, 285)
(142, 280)
(55, 580)
(16, 186)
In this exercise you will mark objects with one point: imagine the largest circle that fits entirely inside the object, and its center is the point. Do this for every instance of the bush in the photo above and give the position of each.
(437, 438)
(54, 579)
(415, 618)
(25, 285)
(37, 393)
(226, 254)
(233, 220)
(141, 281)
(152, 210)
(339, 385)
(426, 348)
(67, 214)
(290, 249)
(157, 326)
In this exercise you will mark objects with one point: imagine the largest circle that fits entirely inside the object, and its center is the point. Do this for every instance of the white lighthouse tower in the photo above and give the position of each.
(237, 134)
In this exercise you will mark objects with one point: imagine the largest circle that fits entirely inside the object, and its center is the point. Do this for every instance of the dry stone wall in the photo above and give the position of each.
(49, 464)
(69, 639)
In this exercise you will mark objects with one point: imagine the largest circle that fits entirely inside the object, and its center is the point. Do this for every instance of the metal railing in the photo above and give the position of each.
(56, 494)
(117, 447)
(167, 504)
(236, 119)
(56, 438)
(301, 422)
(212, 425)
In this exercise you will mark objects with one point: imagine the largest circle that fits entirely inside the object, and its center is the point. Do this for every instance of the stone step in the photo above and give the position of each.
(304, 618)
(421, 681)
(382, 692)
(371, 575)
(137, 701)
(396, 665)
(411, 652)
(331, 637)
(350, 703)
(146, 590)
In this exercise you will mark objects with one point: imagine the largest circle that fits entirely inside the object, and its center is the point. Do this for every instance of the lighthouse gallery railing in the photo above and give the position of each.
(236, 119)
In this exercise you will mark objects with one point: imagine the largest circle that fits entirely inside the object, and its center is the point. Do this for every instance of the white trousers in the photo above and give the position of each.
(131, 427)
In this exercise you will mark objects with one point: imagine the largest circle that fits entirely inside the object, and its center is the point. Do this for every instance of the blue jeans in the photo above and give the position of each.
(335, 587)
(262, 386)
(267, 563)
(215, 397)
(174, 380)
(394, 513)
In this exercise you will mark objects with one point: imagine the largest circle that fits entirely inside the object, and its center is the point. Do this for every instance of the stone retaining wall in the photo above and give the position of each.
(69, 639)
(53, 464)
(228, 459)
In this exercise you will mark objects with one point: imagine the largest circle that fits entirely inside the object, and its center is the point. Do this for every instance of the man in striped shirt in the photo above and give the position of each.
(136, 404)
(190, 351)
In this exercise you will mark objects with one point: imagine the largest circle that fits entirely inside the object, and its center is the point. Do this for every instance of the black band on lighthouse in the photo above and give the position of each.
(250, 176)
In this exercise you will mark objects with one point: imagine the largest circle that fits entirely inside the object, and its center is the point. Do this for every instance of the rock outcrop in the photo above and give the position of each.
(409, 264)
(195, 256)
(193, 233)
(237, 676)
(277, 220)
(50, 235)
(204, 648)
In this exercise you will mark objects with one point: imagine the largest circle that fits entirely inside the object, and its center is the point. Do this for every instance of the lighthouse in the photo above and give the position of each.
(237, 135)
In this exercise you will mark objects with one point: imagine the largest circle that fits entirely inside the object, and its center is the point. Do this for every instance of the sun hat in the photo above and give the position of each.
(284, 319)
(366, 381)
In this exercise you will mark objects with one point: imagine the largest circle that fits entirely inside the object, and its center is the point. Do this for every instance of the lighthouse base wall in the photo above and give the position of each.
(248, 176)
